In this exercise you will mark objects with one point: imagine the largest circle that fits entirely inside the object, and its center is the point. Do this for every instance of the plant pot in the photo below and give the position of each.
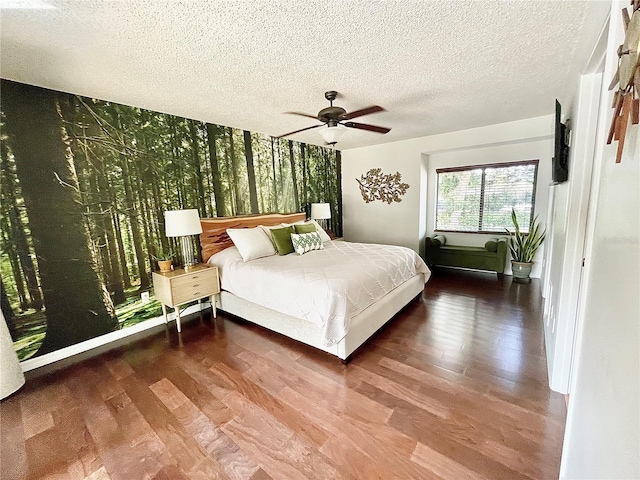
(521, 270)
(164, 265)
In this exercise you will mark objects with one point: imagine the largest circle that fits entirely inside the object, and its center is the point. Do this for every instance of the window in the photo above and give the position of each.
(479, 198)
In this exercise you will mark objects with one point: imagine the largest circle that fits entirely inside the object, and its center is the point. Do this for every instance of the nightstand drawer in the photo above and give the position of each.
(208, 275)
(194, 285)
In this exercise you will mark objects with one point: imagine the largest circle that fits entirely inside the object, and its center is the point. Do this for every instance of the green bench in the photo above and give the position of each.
(492, 257)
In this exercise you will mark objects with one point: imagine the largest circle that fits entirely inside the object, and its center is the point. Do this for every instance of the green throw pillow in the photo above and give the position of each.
(304, 227)
(305, 242)
(491, 245)
(437, 241)
(282, 239)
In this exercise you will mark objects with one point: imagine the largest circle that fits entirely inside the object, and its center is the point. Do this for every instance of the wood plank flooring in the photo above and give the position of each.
(453, 388)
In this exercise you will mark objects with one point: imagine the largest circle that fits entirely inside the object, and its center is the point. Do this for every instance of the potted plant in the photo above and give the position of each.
(164, 259)
(523, 247)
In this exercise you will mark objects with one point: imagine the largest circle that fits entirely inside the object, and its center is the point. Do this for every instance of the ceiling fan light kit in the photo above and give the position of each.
(335, 120)
(332, 134)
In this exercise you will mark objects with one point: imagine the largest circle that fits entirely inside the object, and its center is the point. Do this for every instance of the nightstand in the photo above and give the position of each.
(181, 286)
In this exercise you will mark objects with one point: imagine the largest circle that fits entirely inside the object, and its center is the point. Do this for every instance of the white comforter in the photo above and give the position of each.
(327, 287)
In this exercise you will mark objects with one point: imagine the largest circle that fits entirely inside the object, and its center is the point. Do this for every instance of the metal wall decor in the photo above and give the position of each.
(375, 185)
(627, 77)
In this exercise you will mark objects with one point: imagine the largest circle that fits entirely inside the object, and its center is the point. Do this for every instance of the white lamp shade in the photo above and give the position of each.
(333, 135)
(179, 223)
(320, 211)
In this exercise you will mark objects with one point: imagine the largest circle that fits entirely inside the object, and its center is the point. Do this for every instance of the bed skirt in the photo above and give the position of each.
(361, 327)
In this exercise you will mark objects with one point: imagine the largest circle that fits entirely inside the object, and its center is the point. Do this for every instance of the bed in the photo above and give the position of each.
(333, 299)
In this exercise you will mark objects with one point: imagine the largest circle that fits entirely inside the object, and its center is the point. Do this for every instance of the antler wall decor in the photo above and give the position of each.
(375, 185)
(625, 100)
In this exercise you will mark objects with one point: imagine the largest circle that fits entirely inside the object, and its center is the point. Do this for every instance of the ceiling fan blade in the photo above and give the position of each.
(298, 131)
(302, 115)
(362, 112)
(365, 126)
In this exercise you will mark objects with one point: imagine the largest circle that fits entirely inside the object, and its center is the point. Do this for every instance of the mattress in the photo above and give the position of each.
(324, 287)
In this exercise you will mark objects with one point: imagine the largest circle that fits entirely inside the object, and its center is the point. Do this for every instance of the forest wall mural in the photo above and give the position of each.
(84, 184)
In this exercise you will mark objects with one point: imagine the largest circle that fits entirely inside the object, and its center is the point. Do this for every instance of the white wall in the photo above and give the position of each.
(406, 223)
(566, 238)
(379, 222)
(602, 437)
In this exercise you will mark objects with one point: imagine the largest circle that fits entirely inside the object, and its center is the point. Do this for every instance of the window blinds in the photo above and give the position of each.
(480, 198)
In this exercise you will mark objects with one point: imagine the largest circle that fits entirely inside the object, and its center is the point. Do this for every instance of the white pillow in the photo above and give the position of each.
(305, 242)
(267, 229)
(251, 242)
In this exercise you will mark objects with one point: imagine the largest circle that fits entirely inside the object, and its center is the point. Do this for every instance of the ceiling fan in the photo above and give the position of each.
(335, 119)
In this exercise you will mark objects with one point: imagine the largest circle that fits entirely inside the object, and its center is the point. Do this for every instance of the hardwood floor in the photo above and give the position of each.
(455, 387)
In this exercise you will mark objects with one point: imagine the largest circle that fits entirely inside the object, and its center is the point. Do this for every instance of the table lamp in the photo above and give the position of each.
(183, 224)
(322, 212)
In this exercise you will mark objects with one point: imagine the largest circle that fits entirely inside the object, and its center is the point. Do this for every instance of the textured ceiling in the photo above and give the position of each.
(435, 66)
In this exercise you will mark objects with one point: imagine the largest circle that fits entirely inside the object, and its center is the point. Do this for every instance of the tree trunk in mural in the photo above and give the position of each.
(176, 164)
(215, 170)
(325, 175)
(296, 196)
(310, 159)
(230, 176)
(303, 167)
(139, 190)
(132, 210)
(195, 150)
(115, 281)
(18, 235)
(136, 235)
(205, 167)
(10, 251)
(122, 254)
(158, 209)
(273, 171)
(140, 200)
(281, 175)
(75, 310)
(78, 128)
(7, 311)
(251, 174)
(151, 182)
(235, 177)
(338, 225)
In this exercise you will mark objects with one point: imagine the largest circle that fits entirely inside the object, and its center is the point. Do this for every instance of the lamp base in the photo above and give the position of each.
(188, 255)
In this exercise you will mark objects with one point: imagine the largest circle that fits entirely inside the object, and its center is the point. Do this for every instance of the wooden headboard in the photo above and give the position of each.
(214, 238)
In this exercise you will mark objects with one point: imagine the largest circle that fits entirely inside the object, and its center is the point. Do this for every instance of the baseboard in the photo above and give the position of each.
(97, 345)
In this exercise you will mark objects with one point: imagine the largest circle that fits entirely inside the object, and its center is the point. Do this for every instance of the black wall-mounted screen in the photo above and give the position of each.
(560, 171)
